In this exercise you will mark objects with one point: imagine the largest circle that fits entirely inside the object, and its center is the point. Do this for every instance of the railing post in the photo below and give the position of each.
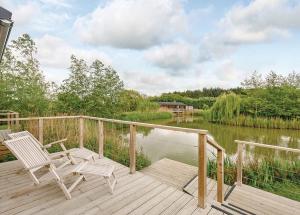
(132, 145)
(17, 119)
(220, 176)
(239, 166)
(8, 120)
(202, 141)
(41, 130)
(81, 131)
(101, 138)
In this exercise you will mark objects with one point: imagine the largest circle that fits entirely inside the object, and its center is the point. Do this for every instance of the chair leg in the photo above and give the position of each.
(34, 178)
(60, 184)
(79, 179)
(111, 184)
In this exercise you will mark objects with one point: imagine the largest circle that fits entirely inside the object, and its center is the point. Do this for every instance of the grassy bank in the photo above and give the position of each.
(145, 116)
(260, 122)
(275, 176)
(254, 122)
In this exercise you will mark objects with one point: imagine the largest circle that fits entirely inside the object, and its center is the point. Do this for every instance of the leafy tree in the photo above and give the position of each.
(73, 91)
(106, 90)
(274, 96)
(226, 107)
(94, 89)
(293, 79)
(274, 80)
(129, 100)
(271, 80)
(23, 87)
(254, 81)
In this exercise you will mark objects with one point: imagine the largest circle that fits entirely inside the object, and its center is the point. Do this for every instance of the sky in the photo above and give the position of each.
(164, 45)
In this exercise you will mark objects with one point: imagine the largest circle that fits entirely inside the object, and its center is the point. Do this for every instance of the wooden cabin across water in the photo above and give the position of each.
(175, 107)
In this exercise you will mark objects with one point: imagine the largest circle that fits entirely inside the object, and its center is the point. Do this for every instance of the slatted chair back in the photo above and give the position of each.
(4, 135)
(28, 151)
(23, 134)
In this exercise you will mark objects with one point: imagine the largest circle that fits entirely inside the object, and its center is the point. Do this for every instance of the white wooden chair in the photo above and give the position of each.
(70, 154)
(4, 135)
(31, 155)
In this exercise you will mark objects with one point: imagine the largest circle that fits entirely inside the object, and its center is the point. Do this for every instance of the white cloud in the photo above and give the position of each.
(36, 16)
(174, 56)
(54, 52)
(132, 24)
(60, 3)
(259, 21)
(25, 13)
(227, 72)
(154, 83)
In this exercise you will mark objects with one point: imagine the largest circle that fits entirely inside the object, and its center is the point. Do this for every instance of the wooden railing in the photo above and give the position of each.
(11, 116)
(203, 140)
(240, 155)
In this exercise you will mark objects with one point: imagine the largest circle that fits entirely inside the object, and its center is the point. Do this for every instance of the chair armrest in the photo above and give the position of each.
(46, 163)
(56, 142)
(64, 153)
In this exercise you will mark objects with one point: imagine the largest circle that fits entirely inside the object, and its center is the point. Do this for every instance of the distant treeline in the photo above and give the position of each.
(205, 92)
(274, 96)
(199, 99)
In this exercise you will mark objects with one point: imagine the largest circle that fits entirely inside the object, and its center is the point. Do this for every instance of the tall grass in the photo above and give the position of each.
(273, 175)
(116, 145)
(255, 122)
(261, 122)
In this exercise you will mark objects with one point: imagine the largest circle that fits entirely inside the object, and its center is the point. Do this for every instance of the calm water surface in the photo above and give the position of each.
(180, 146)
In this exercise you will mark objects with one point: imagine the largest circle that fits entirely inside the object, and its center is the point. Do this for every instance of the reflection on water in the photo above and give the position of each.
(158, 143)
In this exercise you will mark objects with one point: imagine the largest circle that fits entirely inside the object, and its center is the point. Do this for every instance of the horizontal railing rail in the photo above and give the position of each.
(10, 115)
(281, 148)
(203, 140)
(240, 157)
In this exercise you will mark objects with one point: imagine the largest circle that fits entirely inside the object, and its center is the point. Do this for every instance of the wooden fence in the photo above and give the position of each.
(11, 116)
(203, 140)
(240, 155)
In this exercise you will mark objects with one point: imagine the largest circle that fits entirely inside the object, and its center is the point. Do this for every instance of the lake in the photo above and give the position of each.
(180, 146)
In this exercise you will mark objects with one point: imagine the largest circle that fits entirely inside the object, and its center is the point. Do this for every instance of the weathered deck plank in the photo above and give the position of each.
(171, 172)
(262, 202)
(147, 192)
(177, 174)
(134, 193)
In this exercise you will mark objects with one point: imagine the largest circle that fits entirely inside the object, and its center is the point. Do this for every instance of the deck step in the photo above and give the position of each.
(229, 209)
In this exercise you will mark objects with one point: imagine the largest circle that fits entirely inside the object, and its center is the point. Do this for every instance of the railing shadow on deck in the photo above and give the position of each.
(79, 125)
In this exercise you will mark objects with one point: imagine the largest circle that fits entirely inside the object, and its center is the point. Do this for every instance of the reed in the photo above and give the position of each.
(115, 146)
(281, 177)
(261, 122)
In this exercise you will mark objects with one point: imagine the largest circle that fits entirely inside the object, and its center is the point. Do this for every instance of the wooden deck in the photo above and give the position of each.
(249, 199)
(157, 189)
(134, 194)
(262, 202)
(172, 172)
(182, 176)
